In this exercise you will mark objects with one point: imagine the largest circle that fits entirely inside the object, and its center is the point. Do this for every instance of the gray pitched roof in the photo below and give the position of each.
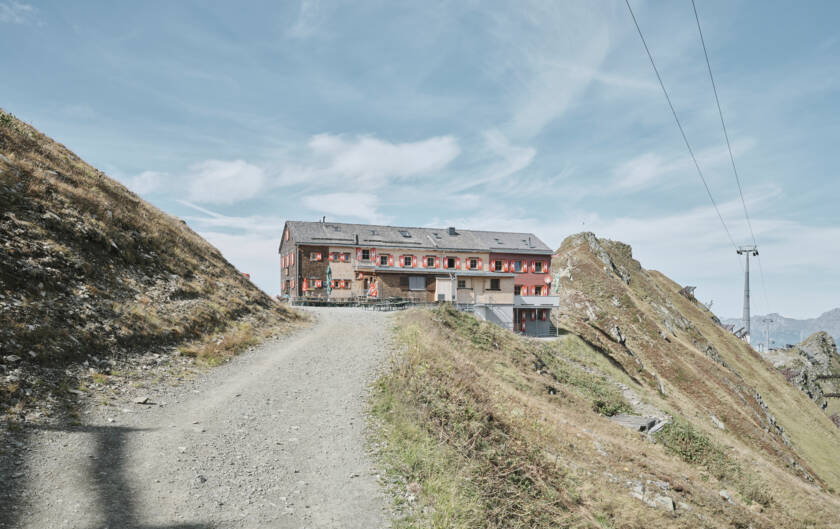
(337, 234)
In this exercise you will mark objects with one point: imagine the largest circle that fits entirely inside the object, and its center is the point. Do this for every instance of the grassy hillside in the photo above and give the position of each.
(481, 428)
(91, 274)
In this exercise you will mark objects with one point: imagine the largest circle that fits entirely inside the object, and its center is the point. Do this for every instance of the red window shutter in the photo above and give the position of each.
(358, 254)
(414, 261)
(320, 256)
(341, 283)
(331, 256)
(402, 261)
(390, 260)
(533, 314)
(533, 290)
(504, 266)
(457, 262)
(373, 255)
(437, 262)
(543, 315)
(445, 262)
(533, 266)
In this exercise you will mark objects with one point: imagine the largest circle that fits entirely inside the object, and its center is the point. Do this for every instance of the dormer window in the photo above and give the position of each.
(405, 233)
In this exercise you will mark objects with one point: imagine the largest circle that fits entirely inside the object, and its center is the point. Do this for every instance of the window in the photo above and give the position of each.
(495, 284)
(315, 256)
(313, 282)
(473, 263)
(404, 233)
(517, 266)
(430, 262)
(538, 267)
(462, 283)
(497, 266)
(365, 255)
(383, 260)
(450, 262)
(345, 257)
(517, 290)
(416, 283)
(407, 260)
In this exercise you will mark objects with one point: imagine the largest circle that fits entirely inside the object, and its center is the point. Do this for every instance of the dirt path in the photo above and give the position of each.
(273, 439)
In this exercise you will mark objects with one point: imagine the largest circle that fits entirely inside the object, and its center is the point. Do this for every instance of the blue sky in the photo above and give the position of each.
(533, 116)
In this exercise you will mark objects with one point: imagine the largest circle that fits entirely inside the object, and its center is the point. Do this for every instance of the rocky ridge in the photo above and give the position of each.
(666, 340)
(811, 366)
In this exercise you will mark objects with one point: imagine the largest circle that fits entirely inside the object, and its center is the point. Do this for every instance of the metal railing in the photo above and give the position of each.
(367, 303)
(398, 303)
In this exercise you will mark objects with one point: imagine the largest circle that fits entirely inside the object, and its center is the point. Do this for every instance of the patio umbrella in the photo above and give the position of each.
(329, 280)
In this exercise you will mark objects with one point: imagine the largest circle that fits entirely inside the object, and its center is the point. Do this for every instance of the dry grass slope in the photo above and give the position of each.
(481, 428)
(90, 272)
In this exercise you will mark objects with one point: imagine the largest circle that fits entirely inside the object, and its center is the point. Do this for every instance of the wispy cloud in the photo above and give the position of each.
(225, 182)
(306, 24)
(253, 224)
(16, 13)
(146, 182)
(354, 205)
(554, 50)
(369, 161)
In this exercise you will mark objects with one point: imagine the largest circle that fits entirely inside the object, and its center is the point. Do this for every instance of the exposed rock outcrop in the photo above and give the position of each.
(810, 365)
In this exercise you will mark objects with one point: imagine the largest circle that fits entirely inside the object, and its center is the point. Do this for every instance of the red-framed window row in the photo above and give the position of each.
(340, 284)
(520, 266)
(339, 257)
(288, 260)
(530, 290)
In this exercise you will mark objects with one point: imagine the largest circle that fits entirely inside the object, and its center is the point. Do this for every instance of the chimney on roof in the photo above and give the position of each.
(323, 219)
(530, 242)
(357, 238)
(452, 231)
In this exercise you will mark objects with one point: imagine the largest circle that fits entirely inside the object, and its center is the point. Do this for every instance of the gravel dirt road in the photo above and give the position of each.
(275, 438)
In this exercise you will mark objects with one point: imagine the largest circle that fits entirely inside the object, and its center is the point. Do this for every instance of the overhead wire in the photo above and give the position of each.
(729, 148)
(680, 127)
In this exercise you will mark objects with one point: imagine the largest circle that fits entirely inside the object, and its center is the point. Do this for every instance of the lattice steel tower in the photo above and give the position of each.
(747, 250)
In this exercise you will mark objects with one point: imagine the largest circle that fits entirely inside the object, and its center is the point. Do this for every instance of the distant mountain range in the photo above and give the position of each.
(784, 331)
